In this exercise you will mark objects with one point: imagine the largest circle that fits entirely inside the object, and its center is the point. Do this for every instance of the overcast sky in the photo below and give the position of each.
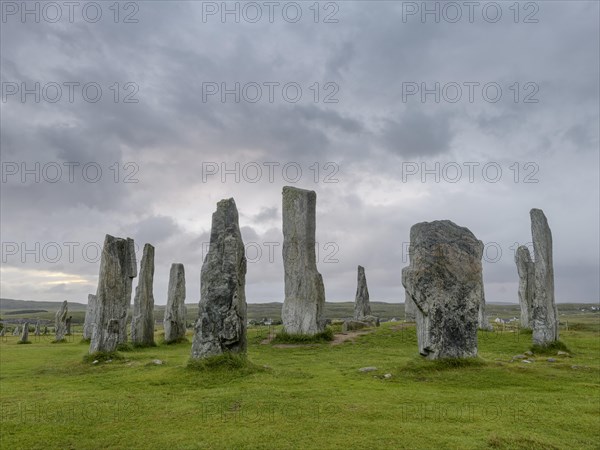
(346, 93)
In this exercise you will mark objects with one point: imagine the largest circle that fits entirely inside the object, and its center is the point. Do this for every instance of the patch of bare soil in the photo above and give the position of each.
(348, 336)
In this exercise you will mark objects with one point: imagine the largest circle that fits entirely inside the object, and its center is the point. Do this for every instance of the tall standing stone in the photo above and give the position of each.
(362, 307)
(142, 322)
(117, 269)
(410, 308)
(25, 333)
(91, 318)
(526, 271)
(444, 278)
(68, 323)
(174, 320)
(37, 331)
(16, 331)
(482, 316)
(221, 324)
(304, 291)
(60, 322)
(544, 315)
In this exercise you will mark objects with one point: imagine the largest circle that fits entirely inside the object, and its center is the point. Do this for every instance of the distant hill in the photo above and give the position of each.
(11, 304)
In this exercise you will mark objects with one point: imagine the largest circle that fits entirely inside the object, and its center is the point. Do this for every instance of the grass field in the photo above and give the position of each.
(310, 396)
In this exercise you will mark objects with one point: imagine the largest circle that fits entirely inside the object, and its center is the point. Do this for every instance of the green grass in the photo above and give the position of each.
(550, 349)
(283, 337)
(303, 396)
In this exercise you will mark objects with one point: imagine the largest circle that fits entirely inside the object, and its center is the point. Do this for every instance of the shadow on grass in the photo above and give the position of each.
(181, 340)
(421, 365)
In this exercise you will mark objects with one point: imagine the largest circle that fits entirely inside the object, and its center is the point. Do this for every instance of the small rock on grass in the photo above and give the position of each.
(551, 360)
(157, 362)
(387, 376)
(367, 369)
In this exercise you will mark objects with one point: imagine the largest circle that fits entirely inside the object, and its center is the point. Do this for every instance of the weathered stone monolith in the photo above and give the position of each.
(410, 309)
(304, 291)
(526, 271)
(444, 278)
(91, 318)
(2, 332)
(37, 331)
(142, 322)
(16, 331)
(117, 269)
(362, 307)
(544, 315)
(60, 322)
(221, 323)
(482, 319)
(68, 324)
(174, 319)
(25, 334)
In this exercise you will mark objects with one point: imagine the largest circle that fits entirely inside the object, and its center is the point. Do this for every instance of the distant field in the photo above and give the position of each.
(305, 396)
(14, 309)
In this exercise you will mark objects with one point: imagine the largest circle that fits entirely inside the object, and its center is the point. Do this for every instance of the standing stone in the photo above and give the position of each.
(60, 322)
(526, 271)
(444, 278)
(142, 322)
(16, 331)
(25, 333)
(37, 331)
(2, 332)
(410, 308)
(304, 291)
(91, 318)
(68, 323)
(362, 307)
(482, 319)
(221, 324)
(117, 269)
(174, 320)
(544, 315)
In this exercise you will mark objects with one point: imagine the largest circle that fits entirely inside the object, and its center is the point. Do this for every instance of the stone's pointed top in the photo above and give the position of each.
(361, 268)
(226, 202)
(536, 212)
(522, 254)
(292, 189)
